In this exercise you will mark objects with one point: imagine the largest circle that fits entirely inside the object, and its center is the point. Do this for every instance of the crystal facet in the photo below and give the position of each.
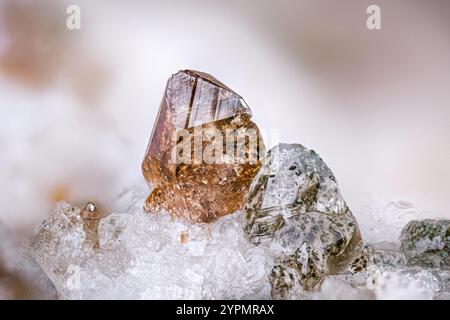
(426, 243)
(143, 256)
(66, 239)
(297, 238)
(295, 205)
(140, 256)
(197, 104)
(20, 276)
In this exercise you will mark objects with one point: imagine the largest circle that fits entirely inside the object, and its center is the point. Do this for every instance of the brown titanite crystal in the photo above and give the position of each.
(204, 149)
(91, 219)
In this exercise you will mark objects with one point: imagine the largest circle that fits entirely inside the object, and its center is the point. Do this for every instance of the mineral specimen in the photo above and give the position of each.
(140, 256)
(63, 241)
(20, 276)
(386, 255)
(204, 149)
(382, 270)
(91, 218)
(412, 269)
(382, 284)
(426, 243)
(384, 221)
(294, 204)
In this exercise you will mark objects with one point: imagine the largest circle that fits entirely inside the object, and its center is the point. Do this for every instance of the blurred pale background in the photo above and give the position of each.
(77, 107)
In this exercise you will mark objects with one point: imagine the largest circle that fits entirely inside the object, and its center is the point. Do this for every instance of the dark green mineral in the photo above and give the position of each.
(295, 207)
(426, 243)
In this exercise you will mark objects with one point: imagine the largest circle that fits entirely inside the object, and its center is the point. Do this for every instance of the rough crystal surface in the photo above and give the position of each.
(381, 272)
(413, 267)
(426, 243)
(383, 221)
(62, 242)
(143, 256)
(20, 276)
(386, 284)
(199, 104)
(295, 205)
(387, 255)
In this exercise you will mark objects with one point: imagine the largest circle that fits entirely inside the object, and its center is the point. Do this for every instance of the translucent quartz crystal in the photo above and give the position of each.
(196, 104)
(387, 255)
(295, 206)
(20, 276)
(418, 270)
(426, 243)
(383, 221)
(410, 283)
(61, 243)
(382, 284)
(7, 290)
(143, 256)
(382, 273)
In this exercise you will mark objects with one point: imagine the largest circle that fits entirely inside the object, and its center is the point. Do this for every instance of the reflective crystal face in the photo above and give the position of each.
(141, 256)
(384, 271)
(426, 243)
(133, 255)
(294, 203)
(383, 255)
(20, 276)
(204, 149)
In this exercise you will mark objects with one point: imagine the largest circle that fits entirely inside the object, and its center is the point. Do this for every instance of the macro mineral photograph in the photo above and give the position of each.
(240, 150)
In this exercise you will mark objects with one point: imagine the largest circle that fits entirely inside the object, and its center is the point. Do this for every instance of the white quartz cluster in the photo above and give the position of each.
(144, 256)
(20, 276)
